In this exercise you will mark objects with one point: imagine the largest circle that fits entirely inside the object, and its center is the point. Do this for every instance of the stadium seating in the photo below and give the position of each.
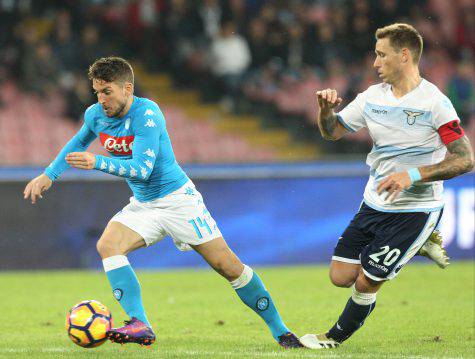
(32, 130)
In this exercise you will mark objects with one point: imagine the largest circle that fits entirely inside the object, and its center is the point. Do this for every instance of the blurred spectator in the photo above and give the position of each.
(79, 97)
(267, 57)
(230, 57)
(257, 38)
(40, 69)
(460, 90)
(322, 46)
(211, 13)
(90, 46)
(65, 47)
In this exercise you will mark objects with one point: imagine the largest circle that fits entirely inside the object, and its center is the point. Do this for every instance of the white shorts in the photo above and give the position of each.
(181, 215)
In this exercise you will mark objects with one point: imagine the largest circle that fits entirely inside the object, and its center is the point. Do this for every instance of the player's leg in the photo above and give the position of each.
(358, 307)
(398, 238)
(134, 227)
(345, 265)
(190, 224)
(344, 274)
(248, 286)
(113, 246)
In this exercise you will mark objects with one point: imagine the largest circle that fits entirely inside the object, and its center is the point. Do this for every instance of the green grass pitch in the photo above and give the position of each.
(425, 313)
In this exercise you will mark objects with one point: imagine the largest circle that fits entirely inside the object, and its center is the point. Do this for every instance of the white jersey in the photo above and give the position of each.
(404, 133)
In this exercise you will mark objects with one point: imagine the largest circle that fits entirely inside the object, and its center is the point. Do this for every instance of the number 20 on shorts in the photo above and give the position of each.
(199, 223)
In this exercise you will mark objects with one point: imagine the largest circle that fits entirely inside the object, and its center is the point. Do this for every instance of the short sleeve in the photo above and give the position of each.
(351, 117)
(443, 112)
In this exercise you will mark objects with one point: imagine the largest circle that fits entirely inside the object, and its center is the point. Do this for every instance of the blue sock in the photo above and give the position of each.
(252, 292)
(125, 286)
(357, 309)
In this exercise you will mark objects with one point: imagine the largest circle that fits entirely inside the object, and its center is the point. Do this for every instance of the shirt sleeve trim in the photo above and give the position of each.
(344, 124)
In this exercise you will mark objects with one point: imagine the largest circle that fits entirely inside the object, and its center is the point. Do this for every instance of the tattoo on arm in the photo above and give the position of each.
(458, 161)
(327, 125)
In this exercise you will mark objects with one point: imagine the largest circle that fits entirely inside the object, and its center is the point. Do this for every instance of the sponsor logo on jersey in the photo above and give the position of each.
(103, 165)
(133, 172)
(143, 172)
(412, 115)
(117, 145)
(149, 112)
(150, 123)
(149, 152)
(379, 112)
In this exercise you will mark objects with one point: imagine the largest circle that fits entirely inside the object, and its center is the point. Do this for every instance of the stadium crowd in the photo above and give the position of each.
(267, 57)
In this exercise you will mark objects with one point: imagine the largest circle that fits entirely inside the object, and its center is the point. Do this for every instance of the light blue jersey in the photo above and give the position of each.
(139, 146)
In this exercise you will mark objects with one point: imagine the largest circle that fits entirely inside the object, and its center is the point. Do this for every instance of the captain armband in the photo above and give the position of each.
(451, 131)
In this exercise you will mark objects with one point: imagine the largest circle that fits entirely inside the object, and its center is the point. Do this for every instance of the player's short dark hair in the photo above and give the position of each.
(111, 69)
(402, 35)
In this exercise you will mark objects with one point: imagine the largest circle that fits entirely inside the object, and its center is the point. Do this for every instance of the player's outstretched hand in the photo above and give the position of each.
(327, 100)
(81, 160)
(394, 184)
(35, 188)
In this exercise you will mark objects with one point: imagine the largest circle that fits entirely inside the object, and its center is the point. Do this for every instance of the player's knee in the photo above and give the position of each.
(341, 279)
(230, 270)
(106, 247)
(365, 284)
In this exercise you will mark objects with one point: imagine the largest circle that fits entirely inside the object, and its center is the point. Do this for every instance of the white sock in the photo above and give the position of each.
(243, 279)
(363, 298)
(114, 262)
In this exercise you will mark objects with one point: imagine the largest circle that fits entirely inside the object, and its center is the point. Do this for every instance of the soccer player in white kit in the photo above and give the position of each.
(412, 125)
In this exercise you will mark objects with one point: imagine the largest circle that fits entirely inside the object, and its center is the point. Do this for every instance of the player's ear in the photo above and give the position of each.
(129, 87)
(406, 55)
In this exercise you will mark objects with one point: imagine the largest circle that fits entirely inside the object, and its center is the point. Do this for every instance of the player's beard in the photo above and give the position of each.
(119, 110)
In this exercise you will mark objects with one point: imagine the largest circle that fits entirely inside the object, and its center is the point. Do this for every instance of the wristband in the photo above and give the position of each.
(414, 174)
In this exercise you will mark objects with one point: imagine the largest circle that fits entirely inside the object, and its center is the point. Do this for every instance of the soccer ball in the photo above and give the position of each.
(88, 322)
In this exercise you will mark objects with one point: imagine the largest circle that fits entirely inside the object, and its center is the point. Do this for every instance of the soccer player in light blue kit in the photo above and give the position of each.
(165, 201)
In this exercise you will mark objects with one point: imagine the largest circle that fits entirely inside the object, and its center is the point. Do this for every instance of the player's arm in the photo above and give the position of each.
(327, 120)
(37, 186)
(140, 166)
(458, 161)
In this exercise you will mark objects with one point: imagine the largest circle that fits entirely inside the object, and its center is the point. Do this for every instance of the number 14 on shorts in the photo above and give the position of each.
(200, 223)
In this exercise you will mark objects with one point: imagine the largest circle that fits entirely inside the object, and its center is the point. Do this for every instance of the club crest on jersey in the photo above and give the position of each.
(117, 145)
(412, 115)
